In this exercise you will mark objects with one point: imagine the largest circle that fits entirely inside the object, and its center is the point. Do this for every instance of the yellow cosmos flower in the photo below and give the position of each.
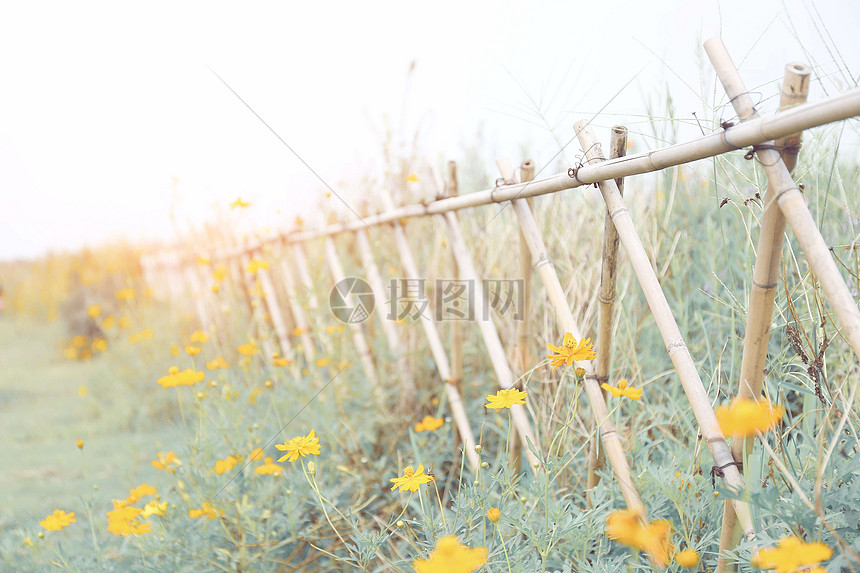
(124, 294)
(204, 260)
(166, 462)
(80, 340)
(298, 331)
(506, 399)
(412, 177)
(412, 479)
(219, 273)
(122, 520)
(58, 520)
(247, 349)
(429, 424)
(791, 554)
(217, 363)
(144, 334)
(268, 468)
(451, 556)
(256, 454)
(94, 311)
(300, 446)
(206, 510)
(688, 558)
(140, 491)
(623, 390)
(80, 444)
(570, 351)
(108, 322)
(493, 514)
(199, 337)
(626, 527)
(225, 465)
(187, 377)
(154, 508)
(123, 323)
(744, 417)
(192, 350)
(322, 362)
(239, 203)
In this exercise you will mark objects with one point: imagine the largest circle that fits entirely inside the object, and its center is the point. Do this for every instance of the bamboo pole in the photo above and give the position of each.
(298, 312)
(677, 349)
(606, 298)
(275, 314)
(455, 401)
(555, 293)
(791, 202)
(795, 88)
(305, 275)
(374, 278)
(456, 325)
(358, 338)
(491, 337)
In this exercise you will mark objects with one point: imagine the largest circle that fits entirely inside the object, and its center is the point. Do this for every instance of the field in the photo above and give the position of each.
(169, 469)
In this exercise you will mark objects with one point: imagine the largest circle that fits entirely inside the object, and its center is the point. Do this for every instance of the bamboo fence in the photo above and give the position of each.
(775, 141)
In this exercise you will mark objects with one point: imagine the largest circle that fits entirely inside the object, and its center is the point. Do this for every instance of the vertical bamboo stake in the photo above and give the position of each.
(298, 312)
(358, 337)
(556, 296)
(675, 345)
(455, 401)
(491, 337)
(606, 298)
(521, 351)
(795, 88)
(456, 325)
(792, 203)
(305, 275)
(275, 314)
(252, 290)
(407, 390)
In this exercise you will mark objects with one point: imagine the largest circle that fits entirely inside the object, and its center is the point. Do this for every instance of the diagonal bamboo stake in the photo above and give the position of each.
(298, 312)
(795, 88)
(374, 278)
(491, 337)
(791, 202)
(458, 411)
(358, 338)
(275, 314)
(677, 349)
(606, 297)
(457, 357)
(555, 293)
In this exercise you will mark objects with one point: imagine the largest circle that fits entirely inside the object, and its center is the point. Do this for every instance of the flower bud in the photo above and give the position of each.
(80, 444)
(478, 448)
(485, 465)
(493, 514)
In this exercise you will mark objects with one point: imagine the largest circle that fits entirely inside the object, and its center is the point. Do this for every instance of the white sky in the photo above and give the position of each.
(102, 105)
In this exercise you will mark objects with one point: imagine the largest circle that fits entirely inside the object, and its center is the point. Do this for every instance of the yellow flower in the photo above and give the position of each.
(623, 390)
(412, 177)
(688, 558)
(71, 353)
(506, 399)
(187, 377)
(298, 331)
(791, 554)
(80, 444)
(80, 340)
(122, 520)
(99, 345)
(82, 391)
(166, 462)
(140, 491)
(219, 273)
(239, 203)
(206, 510)
(278, 361)
(192, 350)
(94, 311)
(493, 514)
(300, 446)
(199, 337)
(154, 508)
(175, 350)
(412, 479)
(570, 351)
(108, 322)
(256, 454)
(58, 520)
(625, 526)
(451, 556)
(322, 362)
(123, 323)
(255, 265)
(255, 393)
(299, 222)
(144, 334)
(217, 363)
(225, 465)
(204, 260)
(248, 349)
(268, 468)
(429, 424)
(124, 294)
(746, 416)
